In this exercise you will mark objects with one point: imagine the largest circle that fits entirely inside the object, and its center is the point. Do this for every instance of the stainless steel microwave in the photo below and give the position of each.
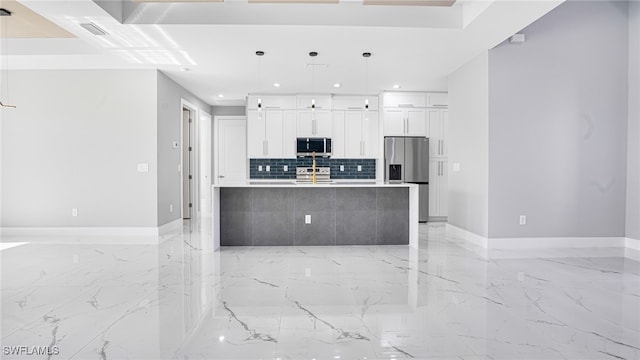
(307, 146)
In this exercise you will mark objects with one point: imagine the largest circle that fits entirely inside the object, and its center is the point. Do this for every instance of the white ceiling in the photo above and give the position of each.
(416, 47)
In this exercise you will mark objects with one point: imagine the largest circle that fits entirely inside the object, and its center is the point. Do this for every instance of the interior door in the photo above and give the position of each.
(232, 158)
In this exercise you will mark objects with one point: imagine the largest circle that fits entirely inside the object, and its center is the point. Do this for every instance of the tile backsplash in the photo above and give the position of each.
(276, 168)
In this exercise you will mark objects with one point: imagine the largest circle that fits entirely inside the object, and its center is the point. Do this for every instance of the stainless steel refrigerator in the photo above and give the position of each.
(406, 160)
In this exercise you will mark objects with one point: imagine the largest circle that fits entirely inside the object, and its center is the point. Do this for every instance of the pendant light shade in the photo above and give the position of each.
(259, 54)
(366, 57)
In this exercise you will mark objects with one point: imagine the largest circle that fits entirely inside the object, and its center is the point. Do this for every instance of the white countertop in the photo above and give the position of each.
(292, 183)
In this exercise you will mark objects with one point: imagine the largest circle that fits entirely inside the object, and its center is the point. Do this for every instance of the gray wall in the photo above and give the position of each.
(468, 145)
(74, 142)
(633, 160)
(558, 125)
(169, 98)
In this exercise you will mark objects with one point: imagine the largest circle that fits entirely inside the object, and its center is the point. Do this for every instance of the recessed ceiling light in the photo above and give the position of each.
(221, 338)
(220, 95)
(337, 85)
(397, 86)
(276, 84)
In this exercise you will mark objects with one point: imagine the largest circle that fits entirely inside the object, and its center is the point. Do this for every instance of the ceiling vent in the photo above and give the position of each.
(94, 29)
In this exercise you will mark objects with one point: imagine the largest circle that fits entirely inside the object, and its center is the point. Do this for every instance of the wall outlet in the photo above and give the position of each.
(175, 144)
(268, 169)
(143, 167)
(456, 167)
(285, 168)
(359, 167)
(523, 220)
(307, 219)
(259, 167)
(170, 208)
(341, 167)
(74, 212)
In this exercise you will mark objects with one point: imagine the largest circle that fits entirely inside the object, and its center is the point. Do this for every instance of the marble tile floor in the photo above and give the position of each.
(111, 299)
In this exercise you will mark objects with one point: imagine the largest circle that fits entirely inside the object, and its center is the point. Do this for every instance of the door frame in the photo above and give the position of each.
(195, 111)
(216, 147)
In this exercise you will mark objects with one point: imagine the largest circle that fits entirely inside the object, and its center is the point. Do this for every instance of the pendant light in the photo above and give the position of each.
(366, 57)
(5, 14)
(313, 55)
(260, 54)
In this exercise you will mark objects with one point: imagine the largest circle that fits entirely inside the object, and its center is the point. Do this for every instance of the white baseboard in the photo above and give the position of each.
(175, 225)
(79, 231)
(629, 247)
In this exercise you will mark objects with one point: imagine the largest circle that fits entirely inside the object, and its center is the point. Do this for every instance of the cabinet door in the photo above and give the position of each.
(353, 134)
(394, 123)
(338, 138)
(323, 124)
(434, 176)
(255, 134)
(274, 133)
(370, 134)
(416, 123)
(435, 131)
(304, 124)
(289, 134)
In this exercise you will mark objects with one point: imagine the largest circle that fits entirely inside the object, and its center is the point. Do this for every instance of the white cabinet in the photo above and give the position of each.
(355, 134)
(348, 102)
(405, 122)
(266, 132)
(361, 134)
(305, 102)
(437, 100)
(275, 102)
(438, 131)
(438, 188)
(404, 99)
(338, 136)
(289, 134)
(314, 123)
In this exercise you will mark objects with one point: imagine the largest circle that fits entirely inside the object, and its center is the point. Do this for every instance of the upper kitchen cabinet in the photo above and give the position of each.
(342, 102)
(437, 100)
(438, 131)
(405, 122)
(306, 102)
(361, 134)
(404, 100)
(404, 114)
(266, 132)
(314, 123)
(273, 102)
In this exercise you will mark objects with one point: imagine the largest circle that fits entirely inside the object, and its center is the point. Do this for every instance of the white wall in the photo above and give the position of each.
(74, 142)
(633, 146)
(558, 125)
(170, 95)
(468, 145)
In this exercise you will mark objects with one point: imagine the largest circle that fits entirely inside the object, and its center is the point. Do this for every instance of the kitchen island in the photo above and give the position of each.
(285, 213)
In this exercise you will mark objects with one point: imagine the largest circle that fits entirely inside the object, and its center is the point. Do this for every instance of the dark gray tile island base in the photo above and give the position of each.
(264, 216)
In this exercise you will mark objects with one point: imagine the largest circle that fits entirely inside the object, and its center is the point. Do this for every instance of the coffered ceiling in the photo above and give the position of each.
(209, 47)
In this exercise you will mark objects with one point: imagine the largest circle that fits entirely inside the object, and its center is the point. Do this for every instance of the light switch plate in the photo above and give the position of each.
(74, 212)
(523, 220)
(456, 167)
(143, 167)
(307, 219)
